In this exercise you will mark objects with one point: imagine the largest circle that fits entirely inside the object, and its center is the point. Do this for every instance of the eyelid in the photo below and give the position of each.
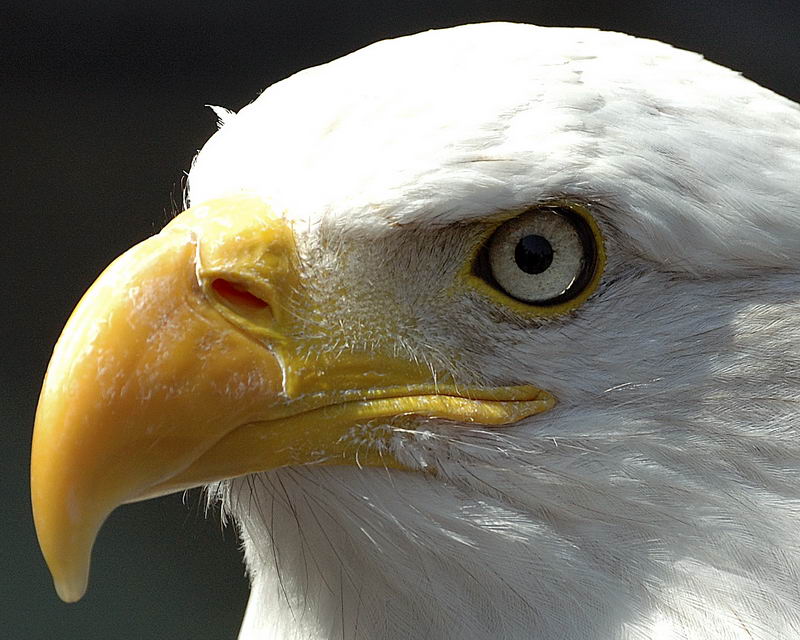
(476, 273)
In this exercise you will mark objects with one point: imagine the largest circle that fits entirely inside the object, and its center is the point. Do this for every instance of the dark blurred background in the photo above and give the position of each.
(102, 112)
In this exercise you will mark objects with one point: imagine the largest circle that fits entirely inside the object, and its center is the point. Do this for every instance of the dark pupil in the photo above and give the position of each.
(533, 254)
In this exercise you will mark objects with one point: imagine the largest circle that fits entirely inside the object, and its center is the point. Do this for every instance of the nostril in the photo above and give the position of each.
(237, 294)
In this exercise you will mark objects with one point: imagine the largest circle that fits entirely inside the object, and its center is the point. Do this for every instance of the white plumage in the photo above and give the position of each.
(659, 500)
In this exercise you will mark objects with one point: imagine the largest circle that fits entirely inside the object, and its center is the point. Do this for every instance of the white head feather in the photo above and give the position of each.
(660, 499)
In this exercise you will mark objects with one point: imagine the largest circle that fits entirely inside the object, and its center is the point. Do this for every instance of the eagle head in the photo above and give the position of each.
(487, 332)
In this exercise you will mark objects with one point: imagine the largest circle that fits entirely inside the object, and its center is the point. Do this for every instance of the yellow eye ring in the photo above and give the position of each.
(576, 259)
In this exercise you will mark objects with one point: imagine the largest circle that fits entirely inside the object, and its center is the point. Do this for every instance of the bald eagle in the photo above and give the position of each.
(487, 332)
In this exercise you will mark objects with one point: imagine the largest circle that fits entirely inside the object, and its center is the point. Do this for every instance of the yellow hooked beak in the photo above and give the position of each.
(184, 363)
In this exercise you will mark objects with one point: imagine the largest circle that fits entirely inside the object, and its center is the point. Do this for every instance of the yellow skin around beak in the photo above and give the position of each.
(180, 367)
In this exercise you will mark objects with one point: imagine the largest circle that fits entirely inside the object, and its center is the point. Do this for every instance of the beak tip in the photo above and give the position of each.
(72, 588)
(67, 553)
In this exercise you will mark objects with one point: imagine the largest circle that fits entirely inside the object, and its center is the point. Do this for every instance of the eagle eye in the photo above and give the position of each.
(546, 256)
